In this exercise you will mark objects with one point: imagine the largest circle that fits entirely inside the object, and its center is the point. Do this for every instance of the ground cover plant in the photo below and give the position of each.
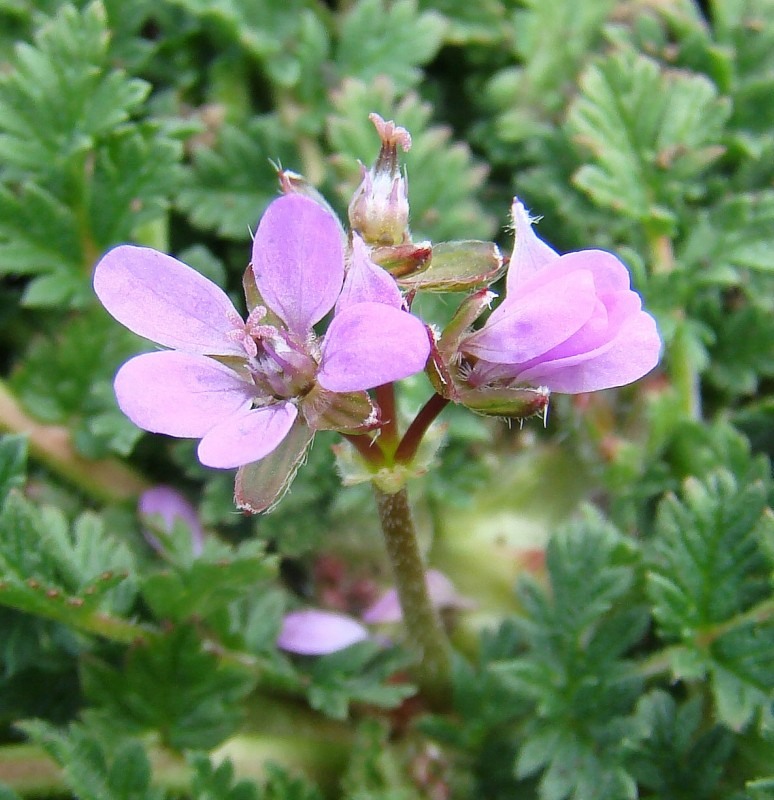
(386, 401)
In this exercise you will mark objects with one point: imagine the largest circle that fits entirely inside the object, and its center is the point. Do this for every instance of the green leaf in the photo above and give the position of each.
(357, 674)
(62, 95)
(13, 463)
(204, 587)
(706, 559)
(230, 184)
(91, 771)
(573, 672)
(651, 135)
(38, 233)
(168, 683)
(737, 232)
(676, 757)
(135, 174)
(218, 782)
(393, 40)
(69, 380)
(536, 90)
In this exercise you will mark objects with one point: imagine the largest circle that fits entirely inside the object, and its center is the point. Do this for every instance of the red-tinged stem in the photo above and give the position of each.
(368, 448)
(408, 446)
(385, 397)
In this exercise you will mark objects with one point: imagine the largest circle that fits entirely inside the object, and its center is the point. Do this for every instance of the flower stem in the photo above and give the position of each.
(385, 397)
(425, 633)
(106, 479)
(407, 448)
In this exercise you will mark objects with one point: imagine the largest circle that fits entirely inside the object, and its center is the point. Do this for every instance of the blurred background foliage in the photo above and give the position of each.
(638, 657)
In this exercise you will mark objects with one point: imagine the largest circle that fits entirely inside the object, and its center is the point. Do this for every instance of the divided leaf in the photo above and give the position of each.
(709, 568)
(651, 134)
(62, 95)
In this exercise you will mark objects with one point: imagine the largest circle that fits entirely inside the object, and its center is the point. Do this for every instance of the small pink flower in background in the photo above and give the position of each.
(242, 387)
(162, 507)
(442, 595)
(570, 323)
(313, 632)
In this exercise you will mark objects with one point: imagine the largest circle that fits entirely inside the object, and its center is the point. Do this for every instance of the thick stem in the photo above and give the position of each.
(411, 440)
(425, 633)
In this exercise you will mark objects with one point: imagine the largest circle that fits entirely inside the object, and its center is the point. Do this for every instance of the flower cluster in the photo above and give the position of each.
(255, 390)
(245, 387)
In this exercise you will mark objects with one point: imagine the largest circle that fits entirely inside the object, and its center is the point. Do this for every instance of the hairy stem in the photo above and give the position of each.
(425, 633)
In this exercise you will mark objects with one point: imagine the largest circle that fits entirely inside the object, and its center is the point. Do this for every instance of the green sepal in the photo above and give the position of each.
(458, 267)
(514, 402)
(349, 412)
(261, 485)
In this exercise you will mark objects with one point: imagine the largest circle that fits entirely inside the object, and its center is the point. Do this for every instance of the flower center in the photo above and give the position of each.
(281, 366)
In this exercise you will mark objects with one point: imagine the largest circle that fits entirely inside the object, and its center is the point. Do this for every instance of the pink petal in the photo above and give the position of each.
(168, 506)
(366, 281)
(632, 353)
(298, 261)
(246, 437)
(530, 253)
(369, 344)
(162, 299)
(316, 633)
(180, 394)
(533, 322)
(439, 587)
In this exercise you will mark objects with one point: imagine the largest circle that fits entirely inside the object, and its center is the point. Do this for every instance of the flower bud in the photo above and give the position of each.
(379, 210)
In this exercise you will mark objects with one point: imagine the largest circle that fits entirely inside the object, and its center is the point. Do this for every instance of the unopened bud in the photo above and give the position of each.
(379, 210)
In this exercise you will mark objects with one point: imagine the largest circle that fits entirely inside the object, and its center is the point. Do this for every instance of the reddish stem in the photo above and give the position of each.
(385, 398)
(411, 440)
(367, 447)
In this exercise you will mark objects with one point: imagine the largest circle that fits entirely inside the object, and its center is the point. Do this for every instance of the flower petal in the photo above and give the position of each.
(180, 394)
(168, 506)
(530, 253)
(440, 589)
(162, 299)
(315, 633)
(366, 281)
(530, 323)
(369, 344)
(627, 357)
(298, 260)
(243, 438)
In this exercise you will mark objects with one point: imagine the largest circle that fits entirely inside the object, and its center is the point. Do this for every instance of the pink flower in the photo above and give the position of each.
(440, 589)
(570, 323)
(243, 387)
(312, 632)
(163, 507)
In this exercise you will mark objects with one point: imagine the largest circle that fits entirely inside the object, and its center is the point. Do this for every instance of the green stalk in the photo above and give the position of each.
(423, 625)
(107, 480)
